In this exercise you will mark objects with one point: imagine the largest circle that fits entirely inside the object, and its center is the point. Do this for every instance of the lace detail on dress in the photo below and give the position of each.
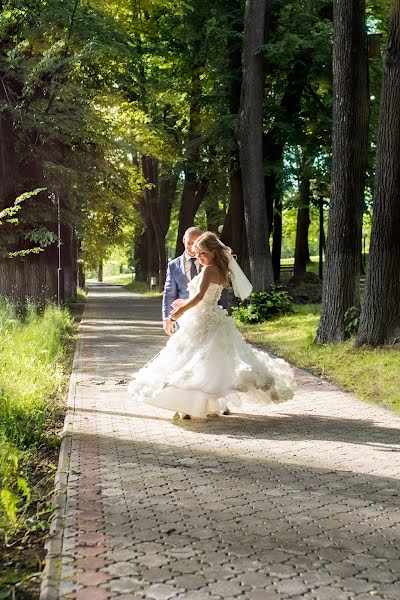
(213, 292)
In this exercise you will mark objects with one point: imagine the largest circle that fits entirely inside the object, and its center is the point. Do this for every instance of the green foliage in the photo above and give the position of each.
(352, 321)
(261, 306)
(14, 488)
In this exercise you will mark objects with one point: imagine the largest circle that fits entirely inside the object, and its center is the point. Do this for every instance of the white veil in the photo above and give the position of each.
(241, 286)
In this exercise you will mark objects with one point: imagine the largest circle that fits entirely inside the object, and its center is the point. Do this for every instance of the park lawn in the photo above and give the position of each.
(125, 279)
(371, 374)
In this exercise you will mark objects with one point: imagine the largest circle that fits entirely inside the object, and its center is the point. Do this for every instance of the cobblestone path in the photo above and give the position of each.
(299, 500)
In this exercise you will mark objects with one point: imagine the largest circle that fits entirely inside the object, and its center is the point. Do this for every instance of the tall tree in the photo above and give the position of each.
(302, 254)
(380, 316)
(250, 140)
(349, 159)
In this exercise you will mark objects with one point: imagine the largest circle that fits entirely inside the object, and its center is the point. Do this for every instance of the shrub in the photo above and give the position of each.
(351, 321)
(261, 306)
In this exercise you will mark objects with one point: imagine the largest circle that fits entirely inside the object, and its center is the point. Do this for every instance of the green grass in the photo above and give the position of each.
(34, 368)
(35, 359)
(31, 370)
(138, 287)
(371, 374)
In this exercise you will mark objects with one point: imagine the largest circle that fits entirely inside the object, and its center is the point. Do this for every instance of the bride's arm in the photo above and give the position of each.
(204, 285)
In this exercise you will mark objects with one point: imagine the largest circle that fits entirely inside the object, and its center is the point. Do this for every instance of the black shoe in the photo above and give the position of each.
(186, 417)
(226, 412)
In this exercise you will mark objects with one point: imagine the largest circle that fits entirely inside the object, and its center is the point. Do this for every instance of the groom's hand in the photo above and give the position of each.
(179, 302)
(168, 326)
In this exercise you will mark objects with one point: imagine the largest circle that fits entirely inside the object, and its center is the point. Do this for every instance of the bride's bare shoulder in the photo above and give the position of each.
(212, 273)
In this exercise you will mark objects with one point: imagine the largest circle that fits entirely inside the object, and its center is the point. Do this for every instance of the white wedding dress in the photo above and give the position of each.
(207, 364)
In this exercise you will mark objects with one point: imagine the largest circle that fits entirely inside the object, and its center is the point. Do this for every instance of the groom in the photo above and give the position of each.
(180, 271)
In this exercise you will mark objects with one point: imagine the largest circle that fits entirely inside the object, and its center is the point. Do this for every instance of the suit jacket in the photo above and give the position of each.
(176, 283)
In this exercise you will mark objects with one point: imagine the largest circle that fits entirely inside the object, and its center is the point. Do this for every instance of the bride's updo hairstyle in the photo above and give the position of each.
(208, 242)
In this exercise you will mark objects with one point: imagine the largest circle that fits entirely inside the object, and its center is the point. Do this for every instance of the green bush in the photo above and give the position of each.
(261, 306)
(352, 321)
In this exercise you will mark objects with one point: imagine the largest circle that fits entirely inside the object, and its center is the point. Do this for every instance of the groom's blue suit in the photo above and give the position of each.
(175, 287)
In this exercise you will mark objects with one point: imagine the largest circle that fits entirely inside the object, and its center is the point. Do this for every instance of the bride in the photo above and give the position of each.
(207, 362)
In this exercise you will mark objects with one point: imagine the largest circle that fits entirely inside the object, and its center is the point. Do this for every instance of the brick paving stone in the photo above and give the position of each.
(298, 500)
(264, 595)
(162, 591)
(124, 585)
(121, 569)
(92, 593)
(91, 578)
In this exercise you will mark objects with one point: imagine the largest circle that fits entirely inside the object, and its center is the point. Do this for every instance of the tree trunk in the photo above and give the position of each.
(321, 237)
(380, 316)
(213, 213)
(232, 233)
(140, 256)
(8, 167)
(194, 190)
(167, 191)
(100, 272)
(192, 196)
(148, 251)
(349, 159)
(302, 254)
(151, 196)
(277, 239)
(249, 135)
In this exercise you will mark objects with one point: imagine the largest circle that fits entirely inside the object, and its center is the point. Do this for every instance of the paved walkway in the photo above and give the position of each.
(294, 501)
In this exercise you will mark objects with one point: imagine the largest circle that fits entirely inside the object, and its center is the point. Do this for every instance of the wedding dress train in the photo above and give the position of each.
(207, 363)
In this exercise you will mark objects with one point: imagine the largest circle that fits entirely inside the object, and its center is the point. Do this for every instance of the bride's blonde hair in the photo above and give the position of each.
(208, 242)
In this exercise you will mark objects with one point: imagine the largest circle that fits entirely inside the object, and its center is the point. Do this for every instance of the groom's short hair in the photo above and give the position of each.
(191, 231)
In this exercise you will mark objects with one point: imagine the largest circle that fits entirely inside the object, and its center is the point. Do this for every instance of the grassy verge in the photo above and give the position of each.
(125, 279)
(371, 374)
(35, 359)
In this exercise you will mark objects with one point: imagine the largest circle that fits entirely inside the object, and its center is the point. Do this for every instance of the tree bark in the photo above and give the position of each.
(192, 196)
(302, 253)
(213, 213)
(232, 233)
(167, 191)
(100, 272)
(151, 197)
(194, 189)
(140, 256)
(349, 159)
(273, 147)
(321, 245)
(249, 135)
(277, 239)
(380, 316)
(8, 166)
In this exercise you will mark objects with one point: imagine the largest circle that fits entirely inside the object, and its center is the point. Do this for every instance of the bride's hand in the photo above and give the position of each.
(177, 312)
(178, 302)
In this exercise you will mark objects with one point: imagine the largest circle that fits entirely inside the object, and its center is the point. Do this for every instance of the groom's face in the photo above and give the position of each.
(189, 241)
